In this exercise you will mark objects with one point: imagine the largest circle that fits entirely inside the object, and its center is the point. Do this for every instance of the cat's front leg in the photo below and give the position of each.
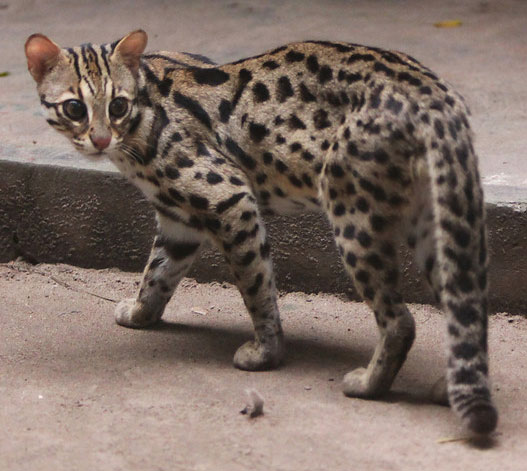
(172, 254)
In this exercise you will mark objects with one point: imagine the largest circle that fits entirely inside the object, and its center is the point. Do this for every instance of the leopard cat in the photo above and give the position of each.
(370, 137)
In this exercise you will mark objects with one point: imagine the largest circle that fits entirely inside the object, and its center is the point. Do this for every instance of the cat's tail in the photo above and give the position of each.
(460, 267)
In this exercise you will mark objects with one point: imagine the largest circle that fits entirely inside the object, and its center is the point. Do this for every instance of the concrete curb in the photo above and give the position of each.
(97, 219)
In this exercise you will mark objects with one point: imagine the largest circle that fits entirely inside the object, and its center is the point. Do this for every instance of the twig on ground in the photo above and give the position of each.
(60, 282)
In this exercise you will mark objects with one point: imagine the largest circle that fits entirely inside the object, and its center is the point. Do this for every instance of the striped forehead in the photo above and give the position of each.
(91, 65)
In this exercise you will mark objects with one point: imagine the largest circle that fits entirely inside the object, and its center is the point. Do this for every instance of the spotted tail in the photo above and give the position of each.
(461, 270)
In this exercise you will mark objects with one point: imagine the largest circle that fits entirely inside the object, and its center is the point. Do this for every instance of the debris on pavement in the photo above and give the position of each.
(448, 24)
(199, 310)
(255, 403)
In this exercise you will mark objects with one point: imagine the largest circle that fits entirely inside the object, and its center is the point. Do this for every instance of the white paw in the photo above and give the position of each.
(130, 313)
(254, 356)
(355, 383)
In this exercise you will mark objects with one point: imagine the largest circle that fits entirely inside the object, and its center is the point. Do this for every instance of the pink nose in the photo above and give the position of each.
(101, 143)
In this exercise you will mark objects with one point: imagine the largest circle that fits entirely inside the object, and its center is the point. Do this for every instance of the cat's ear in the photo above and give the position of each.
(42, 55)
(130, 48)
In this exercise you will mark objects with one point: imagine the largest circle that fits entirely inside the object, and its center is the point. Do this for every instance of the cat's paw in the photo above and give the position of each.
(356, 383)
(361, 383)
(254, 356)
(130, 313)
(439, 392)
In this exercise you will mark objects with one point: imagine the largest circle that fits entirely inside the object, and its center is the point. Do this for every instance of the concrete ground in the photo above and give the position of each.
(78, 392)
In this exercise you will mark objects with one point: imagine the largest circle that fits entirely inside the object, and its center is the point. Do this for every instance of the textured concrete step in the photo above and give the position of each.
(95, 218)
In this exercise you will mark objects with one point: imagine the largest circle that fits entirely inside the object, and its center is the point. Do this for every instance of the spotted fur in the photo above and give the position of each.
(371, 137)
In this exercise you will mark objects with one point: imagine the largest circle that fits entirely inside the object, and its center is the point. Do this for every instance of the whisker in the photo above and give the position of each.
(132, 152)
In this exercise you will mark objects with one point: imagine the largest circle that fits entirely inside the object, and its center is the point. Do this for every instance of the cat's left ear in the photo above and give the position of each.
(42, 55)
(130, 48)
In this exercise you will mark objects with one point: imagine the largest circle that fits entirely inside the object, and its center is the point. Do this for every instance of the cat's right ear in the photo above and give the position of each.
(42, 55)
(130, 48)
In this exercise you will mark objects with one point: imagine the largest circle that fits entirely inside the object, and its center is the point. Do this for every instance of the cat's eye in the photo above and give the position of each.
(74, 109)
(118, 107)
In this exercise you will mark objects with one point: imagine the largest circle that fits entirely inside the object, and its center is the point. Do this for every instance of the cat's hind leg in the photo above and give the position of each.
(238, 230)
(366, 214)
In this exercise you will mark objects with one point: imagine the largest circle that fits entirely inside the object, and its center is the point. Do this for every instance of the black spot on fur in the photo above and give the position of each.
(177, 250)
(465, 376)
(265, 250)
(284, 89)
(308, 156)
(465, 351)
(176, 195)
(375, 98)
(213, 178)
(375, 261)
(199, 202)
(253, 290)
(212, 77)
(362, 276)
(171, 172)
(193, 107)
(395, 106)
(439, 129)
(325, 74)
(236, 181)
(229, 202)
(245, 159)
(339, 210)
(225, 110)
(349, 232)
(271, 65)
(380, 67)
(336, 170)
(261, 92)
(360, 57)
(248, 258)
(460, 234)
(378, 223)
(295, 146)
(295, 181)
(134, 123)
(364, 239)
(465, 313)
(406, 77)
(257, 132)
(268, 158)
(462, 155)
(426, 90)
(294, 56)
(312, 64)
(320, 119)
(280, 166)
(305, 94)
(160, 122)
(295, 122)
(351, 259)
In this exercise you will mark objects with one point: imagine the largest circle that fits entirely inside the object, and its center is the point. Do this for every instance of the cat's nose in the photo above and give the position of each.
(101, 143)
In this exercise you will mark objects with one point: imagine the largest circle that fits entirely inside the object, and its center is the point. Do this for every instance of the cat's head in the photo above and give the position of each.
(89, 93)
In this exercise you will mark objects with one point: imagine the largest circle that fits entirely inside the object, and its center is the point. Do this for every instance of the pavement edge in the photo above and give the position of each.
(54, 214)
